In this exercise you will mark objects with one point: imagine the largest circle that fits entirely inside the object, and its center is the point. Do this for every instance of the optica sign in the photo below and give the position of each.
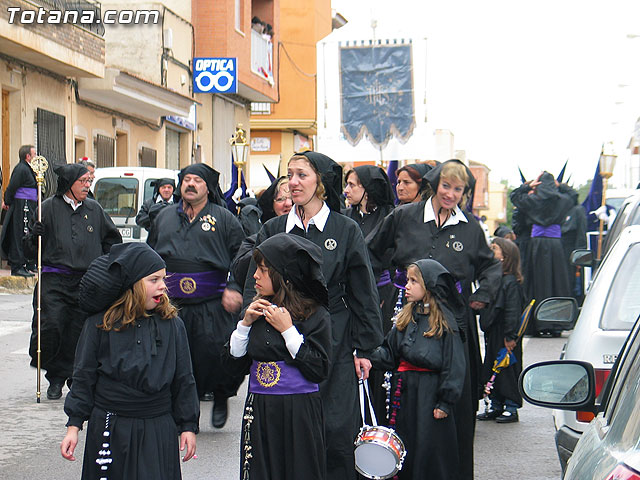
(215, 75)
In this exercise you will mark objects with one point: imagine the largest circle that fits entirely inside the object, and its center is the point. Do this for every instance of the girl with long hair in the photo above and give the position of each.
(132, 377)
(283, 342)
(426, 354)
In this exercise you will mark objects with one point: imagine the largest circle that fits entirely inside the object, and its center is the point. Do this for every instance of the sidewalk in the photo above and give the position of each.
(9, 284)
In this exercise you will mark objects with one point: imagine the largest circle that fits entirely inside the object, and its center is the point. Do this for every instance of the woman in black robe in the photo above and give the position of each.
(132, 376)
(545, 208)
(425, 351)
(437, 228)
(354, 305)
(286, 331)
(411, 186)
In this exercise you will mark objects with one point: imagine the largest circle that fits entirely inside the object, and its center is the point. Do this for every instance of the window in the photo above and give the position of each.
(238, 15)
(623, 302)
(50, 143)
(148, 157)
(148, 189)
(260, 108)
(105, 151)
(118, 196)
(173, 149)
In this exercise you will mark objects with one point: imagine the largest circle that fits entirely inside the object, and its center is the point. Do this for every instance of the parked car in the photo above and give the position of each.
(606, 317)
(122, 190)
(627, 213)
(609, 448)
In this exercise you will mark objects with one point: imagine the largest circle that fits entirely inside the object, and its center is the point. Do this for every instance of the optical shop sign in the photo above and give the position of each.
(215, 75)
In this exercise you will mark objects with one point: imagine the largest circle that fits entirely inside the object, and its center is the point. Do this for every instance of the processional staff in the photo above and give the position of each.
(39, 165)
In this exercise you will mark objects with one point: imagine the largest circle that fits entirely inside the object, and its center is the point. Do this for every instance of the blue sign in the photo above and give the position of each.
(377, 93)
(215, 75)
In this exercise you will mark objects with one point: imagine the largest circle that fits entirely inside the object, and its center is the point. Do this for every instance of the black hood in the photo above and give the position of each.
(331, 176)
(433, 177)
(209, 175)
(161, 182)
(265, 202)
(376, 183)
(441, 283)
(68, 173)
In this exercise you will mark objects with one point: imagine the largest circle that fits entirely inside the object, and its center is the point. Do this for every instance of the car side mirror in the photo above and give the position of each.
(556, 313)
(581, 258)
(561, 384)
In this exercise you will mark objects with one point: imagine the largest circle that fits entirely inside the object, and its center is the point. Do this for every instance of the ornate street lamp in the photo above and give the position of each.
(607, 162)
(239, 146)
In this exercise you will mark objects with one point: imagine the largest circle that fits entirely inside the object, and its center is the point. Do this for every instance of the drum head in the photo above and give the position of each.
(375, 461)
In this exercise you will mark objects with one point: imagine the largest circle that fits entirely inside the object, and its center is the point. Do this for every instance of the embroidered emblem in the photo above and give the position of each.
(86, 217)
(188, 285)
(330, 244)
(209, 223)
(268, 374)
(89, 228)
(457, 246)
(447, 244)
(206, 226)
(452, 236)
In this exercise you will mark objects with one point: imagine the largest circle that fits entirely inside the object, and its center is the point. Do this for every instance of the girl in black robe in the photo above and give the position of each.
(500, 325)
(425, 351)
(284, 342)
(132, 376)
(354, 305)
(545, 207)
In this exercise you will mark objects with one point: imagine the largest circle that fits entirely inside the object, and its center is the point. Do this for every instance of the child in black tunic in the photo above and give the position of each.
(425, 351)
(132, 377)
(500, 323)
(284, 342)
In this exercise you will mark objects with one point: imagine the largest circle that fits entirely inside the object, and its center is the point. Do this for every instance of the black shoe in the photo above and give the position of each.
(21, 272)
(207, 397)
(219, 412)
(490, 415)
(508, 417)
(54, 392)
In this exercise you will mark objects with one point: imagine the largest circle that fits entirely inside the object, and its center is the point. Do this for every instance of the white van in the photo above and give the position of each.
(122, 190)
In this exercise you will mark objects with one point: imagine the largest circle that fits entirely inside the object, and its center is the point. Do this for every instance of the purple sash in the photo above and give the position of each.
(24, 193)
(552, 231)
(400, 279)
(61, 269)
(278, 378)
(197, 284)
(384, 279)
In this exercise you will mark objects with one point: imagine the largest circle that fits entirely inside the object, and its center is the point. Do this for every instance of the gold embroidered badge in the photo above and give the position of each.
(187, 285)
(268, 374)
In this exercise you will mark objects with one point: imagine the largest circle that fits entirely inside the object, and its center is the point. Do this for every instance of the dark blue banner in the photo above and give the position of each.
(377, 93)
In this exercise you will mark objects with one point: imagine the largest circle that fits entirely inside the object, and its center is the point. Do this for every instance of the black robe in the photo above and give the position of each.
(574, 236)
(546, 267)
(287, 435)
(462, 249)
(72, 240)
(499, 322)
(19, 215)
(148, 212)
(431, 444)
(187, 247)
(142, 376)
(355, 325)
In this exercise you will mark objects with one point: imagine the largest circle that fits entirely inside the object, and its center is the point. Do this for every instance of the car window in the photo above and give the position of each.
(635, 216)
(623, 414)
(618, 225)
(118, 196)
(623, 300)
(148, 188)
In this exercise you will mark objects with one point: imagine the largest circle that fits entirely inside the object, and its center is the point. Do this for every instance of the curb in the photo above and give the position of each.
(19, 285)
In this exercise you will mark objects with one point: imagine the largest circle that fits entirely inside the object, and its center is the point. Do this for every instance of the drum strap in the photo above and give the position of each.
(364, 387)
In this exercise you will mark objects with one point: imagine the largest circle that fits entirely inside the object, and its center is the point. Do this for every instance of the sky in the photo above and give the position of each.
(523, 83)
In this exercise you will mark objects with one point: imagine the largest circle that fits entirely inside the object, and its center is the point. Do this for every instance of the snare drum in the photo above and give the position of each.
(379, 452)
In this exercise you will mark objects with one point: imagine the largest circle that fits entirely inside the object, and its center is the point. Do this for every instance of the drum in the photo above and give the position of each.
(379, 452)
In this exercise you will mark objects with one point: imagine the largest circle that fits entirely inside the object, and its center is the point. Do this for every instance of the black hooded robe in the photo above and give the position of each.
(462, 249)
(73, 239)
(142, 376)
(546, 266)
(193, 247)
(355, 324)
(20, 209)
(574, 236)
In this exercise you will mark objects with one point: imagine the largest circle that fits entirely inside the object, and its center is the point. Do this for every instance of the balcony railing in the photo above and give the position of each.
(262, 56)
(87, 9)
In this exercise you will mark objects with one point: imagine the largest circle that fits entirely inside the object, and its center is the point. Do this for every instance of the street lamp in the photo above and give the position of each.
(607, 162)
(239, 146)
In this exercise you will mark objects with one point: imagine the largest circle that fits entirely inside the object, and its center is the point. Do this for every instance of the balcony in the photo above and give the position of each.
(262, 56)
(65, 48)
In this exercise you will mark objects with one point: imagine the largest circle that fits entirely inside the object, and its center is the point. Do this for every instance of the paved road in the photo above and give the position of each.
(30, 433)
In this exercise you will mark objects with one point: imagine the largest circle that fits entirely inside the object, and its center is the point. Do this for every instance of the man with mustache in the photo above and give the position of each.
(198, 238)
(75, 231)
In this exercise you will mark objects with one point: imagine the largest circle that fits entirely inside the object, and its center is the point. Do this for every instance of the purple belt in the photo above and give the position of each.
(196, 285)
(552, 231)
(278, 378)
(400, 279)
(384, 279)
(24, 193)
(61, 269)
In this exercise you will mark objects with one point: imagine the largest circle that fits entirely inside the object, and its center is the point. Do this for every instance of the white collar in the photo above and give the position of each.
(454, 219)
(319, 219)
(159, 199)
(71, 202)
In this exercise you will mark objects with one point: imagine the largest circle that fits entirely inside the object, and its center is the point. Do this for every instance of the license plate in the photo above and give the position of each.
(125, 232)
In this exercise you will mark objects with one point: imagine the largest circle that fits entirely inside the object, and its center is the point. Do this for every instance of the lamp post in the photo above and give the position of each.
(607, 162)
(239, 146)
